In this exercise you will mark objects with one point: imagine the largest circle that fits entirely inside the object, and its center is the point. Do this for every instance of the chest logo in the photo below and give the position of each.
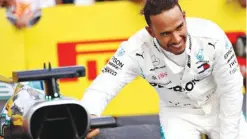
(199, 55)
(155, 60)
(140, 55)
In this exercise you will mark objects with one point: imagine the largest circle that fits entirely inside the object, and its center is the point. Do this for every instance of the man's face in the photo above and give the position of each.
(169, 28)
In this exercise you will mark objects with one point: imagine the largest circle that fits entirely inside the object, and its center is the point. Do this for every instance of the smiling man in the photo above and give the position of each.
(191, 64)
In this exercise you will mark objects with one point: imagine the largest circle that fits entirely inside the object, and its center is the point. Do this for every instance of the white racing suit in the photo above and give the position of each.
(205, 96)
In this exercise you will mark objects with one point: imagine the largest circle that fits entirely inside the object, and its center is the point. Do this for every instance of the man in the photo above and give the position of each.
(191, 64)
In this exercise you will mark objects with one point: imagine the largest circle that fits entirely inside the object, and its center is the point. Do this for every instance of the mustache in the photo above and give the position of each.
(183, 38)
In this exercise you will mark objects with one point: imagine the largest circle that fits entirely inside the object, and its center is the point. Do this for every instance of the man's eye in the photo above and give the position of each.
(179, 28)
(165, 34)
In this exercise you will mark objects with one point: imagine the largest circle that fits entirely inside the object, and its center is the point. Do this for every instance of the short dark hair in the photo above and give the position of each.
(155, 7)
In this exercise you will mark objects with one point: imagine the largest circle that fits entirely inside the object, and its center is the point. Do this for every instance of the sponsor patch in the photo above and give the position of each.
(188, 87)
(140, 55)
(155, 60)
(162, 75)
(117, 62)
(155, 68)
(121, 52)
(199, 55)
(203, 67)
(114, 66)
(109, 70)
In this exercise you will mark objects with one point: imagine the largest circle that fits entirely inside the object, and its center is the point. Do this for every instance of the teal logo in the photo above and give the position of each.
(121, 52)
(199, 55)
(228, 44)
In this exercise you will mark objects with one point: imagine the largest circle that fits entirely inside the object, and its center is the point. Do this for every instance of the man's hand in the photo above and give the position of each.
(93, 132)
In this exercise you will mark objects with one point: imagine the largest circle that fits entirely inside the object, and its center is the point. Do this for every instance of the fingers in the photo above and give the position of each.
(92, 133)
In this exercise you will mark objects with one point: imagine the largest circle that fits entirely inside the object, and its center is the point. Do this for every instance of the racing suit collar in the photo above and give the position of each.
(187, 45)
(175, 68)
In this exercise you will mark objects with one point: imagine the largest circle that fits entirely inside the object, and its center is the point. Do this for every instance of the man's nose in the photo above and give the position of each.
(175, 37)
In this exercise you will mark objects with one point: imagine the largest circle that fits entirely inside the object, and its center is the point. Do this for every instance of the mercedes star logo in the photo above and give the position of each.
(155, 60)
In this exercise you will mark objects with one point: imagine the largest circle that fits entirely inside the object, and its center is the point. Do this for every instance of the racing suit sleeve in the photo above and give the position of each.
(229, 85)
(120, 70)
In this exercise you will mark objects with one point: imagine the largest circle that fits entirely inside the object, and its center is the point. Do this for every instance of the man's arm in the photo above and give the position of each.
(120, 70)
(229, 82)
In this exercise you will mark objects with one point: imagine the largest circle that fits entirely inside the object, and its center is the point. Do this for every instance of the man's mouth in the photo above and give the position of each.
(178, 45)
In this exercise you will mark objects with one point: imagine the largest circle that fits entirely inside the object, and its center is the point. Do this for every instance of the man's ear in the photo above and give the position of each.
(150, 31)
